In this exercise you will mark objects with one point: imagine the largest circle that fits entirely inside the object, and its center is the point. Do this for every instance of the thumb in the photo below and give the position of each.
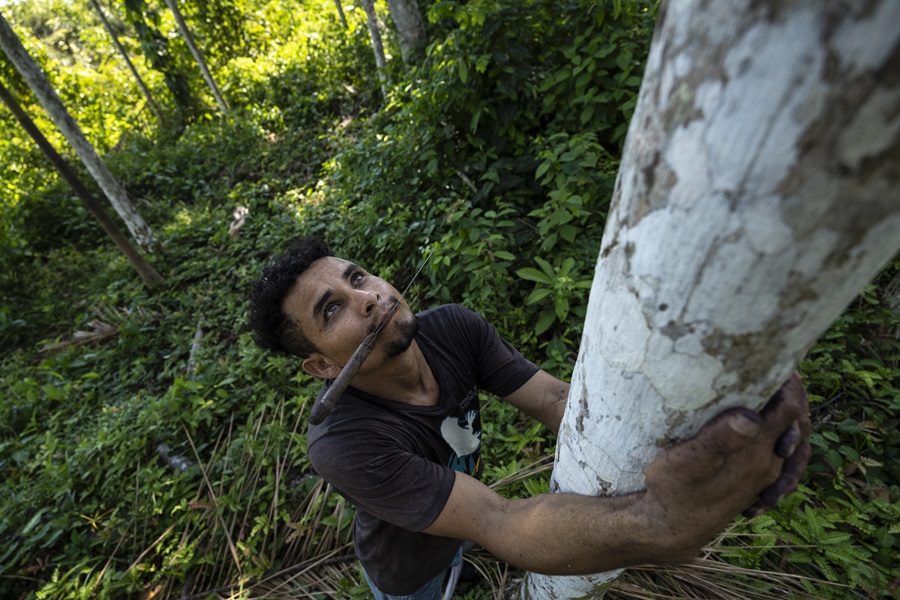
(732, 430)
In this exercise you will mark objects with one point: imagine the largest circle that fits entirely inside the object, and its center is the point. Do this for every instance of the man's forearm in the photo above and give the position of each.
(561, 534)
(543, 397)
(565, 534)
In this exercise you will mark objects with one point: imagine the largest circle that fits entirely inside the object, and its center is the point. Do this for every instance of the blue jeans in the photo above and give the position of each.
(429, 591)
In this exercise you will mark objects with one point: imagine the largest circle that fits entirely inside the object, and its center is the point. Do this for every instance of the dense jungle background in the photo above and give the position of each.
(148, 449)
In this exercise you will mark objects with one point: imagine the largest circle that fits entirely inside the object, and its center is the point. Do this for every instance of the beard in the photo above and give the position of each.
(406, 332)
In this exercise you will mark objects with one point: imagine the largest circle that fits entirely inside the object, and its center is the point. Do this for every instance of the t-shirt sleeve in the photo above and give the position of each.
(381, 476)
(499, 367)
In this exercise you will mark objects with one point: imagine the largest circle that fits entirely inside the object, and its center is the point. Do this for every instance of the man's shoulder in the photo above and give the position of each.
(445, 310)
(448, 313)
(451, 324)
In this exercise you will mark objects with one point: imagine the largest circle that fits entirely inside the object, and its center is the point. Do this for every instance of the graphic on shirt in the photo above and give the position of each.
(463, 435)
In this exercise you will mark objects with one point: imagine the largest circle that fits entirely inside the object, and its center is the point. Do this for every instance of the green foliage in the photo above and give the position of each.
(168, 55)
(560, 284)
(841, 526)
(72, 49)
(171, 452)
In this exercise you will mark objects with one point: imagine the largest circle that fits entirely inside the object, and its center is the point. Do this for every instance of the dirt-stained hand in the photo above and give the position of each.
(739, 462)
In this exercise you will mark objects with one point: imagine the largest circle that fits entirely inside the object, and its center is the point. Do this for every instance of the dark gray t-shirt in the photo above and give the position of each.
(395, 462)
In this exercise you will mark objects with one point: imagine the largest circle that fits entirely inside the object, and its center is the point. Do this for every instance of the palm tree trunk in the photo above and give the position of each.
(121, 49)
(410, 29)
(377, 47)
(340, 10)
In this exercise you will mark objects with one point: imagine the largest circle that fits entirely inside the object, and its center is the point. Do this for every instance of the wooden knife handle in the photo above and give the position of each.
(324, 405)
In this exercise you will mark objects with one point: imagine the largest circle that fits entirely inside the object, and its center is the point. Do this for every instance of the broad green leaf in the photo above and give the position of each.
(624, 59)
(544, 322)
(562, 307)
(586, 115)
(53, 392)
(538, 295)
(546, 268)
(543, 168)
(532, 274)
(34, 521)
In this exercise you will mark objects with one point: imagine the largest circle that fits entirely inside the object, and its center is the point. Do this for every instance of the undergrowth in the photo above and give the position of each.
(160, 453)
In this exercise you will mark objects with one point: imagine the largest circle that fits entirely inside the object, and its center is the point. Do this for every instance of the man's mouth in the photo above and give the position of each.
(387, 316)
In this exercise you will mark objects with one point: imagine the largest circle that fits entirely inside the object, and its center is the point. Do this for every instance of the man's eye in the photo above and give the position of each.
(355, 279)
(330, 310)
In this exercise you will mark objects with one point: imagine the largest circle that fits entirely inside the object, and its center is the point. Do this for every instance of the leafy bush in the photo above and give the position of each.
(167, 457)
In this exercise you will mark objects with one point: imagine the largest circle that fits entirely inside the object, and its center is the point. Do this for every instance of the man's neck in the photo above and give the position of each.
(406, 378)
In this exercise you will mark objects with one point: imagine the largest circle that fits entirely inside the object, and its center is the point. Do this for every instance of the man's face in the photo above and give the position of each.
(337, 304)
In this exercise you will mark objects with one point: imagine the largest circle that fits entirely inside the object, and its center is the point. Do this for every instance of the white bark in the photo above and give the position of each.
(377, 46)
(198, 56)
(758, 193)
(410, 29)
(37, 81)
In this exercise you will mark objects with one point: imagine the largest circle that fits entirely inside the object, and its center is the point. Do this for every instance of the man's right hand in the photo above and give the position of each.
(740, 462)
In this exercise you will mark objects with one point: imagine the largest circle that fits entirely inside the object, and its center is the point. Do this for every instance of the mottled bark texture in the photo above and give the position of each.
(410, 30)
(757, 195)
(37, 81)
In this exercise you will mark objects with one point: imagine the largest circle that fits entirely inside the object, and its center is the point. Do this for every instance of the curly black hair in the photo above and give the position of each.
(272, 328)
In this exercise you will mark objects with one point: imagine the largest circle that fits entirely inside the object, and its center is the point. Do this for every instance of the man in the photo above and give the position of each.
(403, 443)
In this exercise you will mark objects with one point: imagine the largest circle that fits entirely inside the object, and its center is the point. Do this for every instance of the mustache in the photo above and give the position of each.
(391, 304)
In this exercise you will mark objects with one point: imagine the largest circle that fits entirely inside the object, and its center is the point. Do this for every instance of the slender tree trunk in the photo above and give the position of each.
(155, 47)
(377, 47)
(146, 271)
(37, 81)
(410, 29)
(340, 10)
(137, 77)
(220, 100)
(757, 195)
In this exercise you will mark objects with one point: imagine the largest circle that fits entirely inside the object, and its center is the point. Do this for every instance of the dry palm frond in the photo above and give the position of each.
(539, 466)
(705, 579)
(97, 332)
(312, 578)
(108, 323)
(495, 574)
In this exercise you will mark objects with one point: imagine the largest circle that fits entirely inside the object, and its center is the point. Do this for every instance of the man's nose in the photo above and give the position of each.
(367, 300)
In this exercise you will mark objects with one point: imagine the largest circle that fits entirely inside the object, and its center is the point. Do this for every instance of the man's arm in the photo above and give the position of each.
(693, 490)
(543, 397)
